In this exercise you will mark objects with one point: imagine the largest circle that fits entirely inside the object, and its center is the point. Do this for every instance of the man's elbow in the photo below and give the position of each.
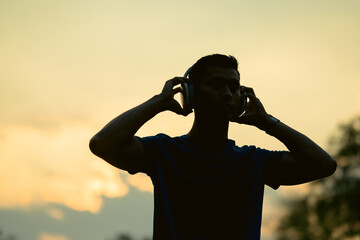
(329, 167)
(95, 146)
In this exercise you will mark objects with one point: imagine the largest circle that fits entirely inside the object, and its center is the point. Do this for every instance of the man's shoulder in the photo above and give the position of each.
(255, 151)
(163, 138)
(159, 136)
(245, 148)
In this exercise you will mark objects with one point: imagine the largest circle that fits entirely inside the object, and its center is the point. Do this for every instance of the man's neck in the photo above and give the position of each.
(209, 130)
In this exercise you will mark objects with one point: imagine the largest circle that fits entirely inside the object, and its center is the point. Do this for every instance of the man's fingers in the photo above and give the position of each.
(253, 99)
(176, 90)
(244, 89)
(179, 110)
(169, 85)
(177, 80)
(170, 90)
(185, 113)
(251, 96)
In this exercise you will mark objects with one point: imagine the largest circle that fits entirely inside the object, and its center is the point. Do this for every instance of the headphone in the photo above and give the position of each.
(187, 93)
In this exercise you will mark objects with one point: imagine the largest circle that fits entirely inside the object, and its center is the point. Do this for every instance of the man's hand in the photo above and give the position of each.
(168, 93)
(116, 142)
(255, 113)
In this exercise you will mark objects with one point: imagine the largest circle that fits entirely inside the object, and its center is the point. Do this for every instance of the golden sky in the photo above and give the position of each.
(69, 67)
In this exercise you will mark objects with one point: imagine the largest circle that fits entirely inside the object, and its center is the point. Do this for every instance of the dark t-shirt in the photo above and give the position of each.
(202, 194)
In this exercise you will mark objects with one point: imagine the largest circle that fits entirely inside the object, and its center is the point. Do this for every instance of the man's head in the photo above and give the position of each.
(216, 82)
(198, 70)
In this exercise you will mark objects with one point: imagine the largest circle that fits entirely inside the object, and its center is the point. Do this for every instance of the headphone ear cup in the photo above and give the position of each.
(188, 93)
(187, 96)
(191, 95)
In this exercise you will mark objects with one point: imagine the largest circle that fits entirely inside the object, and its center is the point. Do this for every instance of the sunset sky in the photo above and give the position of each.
(69, 67)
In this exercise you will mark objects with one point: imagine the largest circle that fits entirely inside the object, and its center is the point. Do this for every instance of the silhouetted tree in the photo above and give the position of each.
(332, 210)
(125, 236)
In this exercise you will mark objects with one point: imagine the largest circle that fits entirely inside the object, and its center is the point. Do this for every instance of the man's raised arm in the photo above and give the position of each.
(305, 161)
(116, 142)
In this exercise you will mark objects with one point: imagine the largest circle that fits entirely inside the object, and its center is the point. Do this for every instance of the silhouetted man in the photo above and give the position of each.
(205, 186)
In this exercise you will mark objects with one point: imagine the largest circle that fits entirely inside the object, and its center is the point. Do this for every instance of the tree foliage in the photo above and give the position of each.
(332, 210)
(126, 236)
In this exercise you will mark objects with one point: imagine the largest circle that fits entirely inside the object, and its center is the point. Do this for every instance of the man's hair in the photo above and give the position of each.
(198, 70)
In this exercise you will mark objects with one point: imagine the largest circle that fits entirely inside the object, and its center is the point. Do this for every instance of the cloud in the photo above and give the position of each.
(47, 236)
(38, 168)
(141, 181)
(55, 213)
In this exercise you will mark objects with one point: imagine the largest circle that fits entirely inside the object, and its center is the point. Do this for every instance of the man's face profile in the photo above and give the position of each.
(219, 92)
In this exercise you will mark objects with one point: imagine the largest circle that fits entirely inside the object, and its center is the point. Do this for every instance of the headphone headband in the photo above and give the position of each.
(188, 71)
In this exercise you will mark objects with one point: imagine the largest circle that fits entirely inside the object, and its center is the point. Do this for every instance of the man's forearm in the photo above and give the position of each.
(122, 128)
(299, 145)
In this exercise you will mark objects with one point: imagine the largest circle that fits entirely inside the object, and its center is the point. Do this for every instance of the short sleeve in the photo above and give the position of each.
(152, 147)
(268, 156)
